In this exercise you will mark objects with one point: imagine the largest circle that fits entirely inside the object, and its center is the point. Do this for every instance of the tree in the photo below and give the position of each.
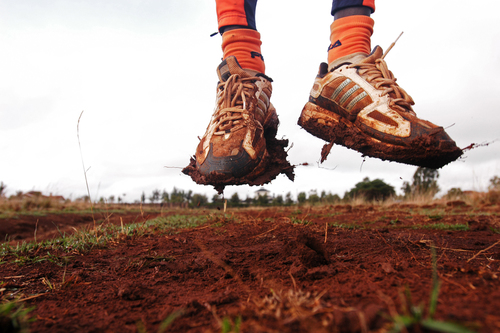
(278, 200)
(199, 200)
(234, 200)
(313, 199)
(188, 195)
(330, 198)
(2, 189)
(288, 199)
(177, 196)
(143, 197)
(262, 200)
(249, 201)
(454, 193)
(111, 198)
(155, 196)
(371, 190)
(301, 198)
(164, 196)
(424, 182)
(494, 184)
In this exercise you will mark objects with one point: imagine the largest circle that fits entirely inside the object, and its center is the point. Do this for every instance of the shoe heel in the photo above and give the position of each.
(319, 121)
(271, 123)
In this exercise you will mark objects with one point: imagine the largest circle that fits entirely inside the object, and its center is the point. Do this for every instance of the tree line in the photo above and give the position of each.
(424, 182)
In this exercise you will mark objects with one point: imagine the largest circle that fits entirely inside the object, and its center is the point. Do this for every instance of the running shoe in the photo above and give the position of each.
(356, 102)
(234, 144)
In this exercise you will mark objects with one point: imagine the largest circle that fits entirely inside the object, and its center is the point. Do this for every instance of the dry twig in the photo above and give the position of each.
(486, 249)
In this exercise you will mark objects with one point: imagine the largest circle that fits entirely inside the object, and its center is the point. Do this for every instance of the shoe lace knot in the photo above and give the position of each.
(379, 76)
(232, 107)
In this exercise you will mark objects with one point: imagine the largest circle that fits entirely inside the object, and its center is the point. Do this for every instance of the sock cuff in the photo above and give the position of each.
(349, 35)
(341, 25)
(241, 35)
(244, 44)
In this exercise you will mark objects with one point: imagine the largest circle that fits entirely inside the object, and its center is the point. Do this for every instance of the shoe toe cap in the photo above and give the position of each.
(238, 164)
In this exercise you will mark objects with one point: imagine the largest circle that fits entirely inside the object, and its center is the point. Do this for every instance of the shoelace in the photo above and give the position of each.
(232, 113)
(380, 77)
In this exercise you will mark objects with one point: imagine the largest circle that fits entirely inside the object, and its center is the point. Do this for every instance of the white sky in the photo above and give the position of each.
(144, 74)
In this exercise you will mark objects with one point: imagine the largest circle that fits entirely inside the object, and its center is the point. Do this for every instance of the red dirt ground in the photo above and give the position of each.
(320, 269)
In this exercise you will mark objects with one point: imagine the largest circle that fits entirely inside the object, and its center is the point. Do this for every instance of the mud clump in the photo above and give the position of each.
(276, 164)
(422, 151)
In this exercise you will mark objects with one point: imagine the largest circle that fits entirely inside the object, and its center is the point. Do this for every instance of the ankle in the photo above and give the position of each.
(350, 34)
(351, 11)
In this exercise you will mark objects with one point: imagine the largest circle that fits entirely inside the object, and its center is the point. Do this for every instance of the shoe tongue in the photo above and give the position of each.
(376, 54)
(228, 67)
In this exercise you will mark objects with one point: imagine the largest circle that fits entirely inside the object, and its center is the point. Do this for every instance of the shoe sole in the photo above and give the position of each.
(333, 128)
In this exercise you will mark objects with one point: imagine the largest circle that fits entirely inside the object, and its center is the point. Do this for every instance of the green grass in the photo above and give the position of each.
(334, 214)
(442, 226)
(296, 220)
(14, 317)
(84, 240)
(345, 226)
(15, 215)
(394, 224)
(495, 230)
(229, 327)
(414, 318)
(395, 221)
(74, 210)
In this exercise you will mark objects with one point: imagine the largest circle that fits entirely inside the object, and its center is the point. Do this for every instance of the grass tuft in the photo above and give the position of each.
(413, 318)
(15, 317)
(228, 326)
(86, 239)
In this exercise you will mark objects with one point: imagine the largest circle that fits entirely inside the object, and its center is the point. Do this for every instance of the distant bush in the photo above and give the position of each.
(371, 190)
(494, 184)
(492, 197)
(424, 183)
(454, 194)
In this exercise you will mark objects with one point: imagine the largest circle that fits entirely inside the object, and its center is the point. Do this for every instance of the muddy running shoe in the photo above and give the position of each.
(233, 149)
(356, 102)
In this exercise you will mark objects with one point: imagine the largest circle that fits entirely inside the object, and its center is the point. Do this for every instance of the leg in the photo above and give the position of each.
(236, 21)
(239, 145)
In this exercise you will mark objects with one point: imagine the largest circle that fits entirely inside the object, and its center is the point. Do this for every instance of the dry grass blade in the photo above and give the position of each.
(326, 232)
(222, 264)
(486, 249)
(265, 232)
(31, 297)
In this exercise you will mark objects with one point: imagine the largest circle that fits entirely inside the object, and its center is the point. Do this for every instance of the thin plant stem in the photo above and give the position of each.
(85, 174)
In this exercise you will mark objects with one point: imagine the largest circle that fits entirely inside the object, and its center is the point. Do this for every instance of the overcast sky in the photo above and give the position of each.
(144, 74)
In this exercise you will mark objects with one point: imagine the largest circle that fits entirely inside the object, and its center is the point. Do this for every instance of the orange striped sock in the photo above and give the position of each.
(350, 34)
(244, 44)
